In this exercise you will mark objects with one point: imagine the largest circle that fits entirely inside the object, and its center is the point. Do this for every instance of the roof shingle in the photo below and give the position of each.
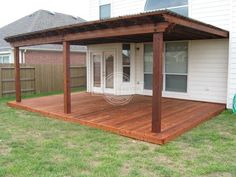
(39, 20)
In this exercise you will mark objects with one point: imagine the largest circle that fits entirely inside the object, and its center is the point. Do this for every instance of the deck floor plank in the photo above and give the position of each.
(132, 120)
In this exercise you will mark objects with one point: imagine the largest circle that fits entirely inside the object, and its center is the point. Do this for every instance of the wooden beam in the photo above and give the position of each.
(66, 69)
(117, 32)
(95, 34)
(157, 81)
(196, 25)
(17, 74)
(38, 41)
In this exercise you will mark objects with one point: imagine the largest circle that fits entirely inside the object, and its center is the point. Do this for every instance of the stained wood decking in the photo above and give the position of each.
(132, 120)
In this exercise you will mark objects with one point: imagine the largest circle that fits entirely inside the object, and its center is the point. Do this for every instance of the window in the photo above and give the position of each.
(126, 62)
(148, 60)
(178, 6)
(4, 59)
(96, 70)
(176, 66)
(105, 11)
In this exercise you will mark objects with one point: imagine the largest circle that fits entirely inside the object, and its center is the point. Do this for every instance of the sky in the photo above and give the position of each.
(16, 9)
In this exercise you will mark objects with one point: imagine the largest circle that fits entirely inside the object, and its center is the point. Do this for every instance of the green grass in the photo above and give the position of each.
(33, 145)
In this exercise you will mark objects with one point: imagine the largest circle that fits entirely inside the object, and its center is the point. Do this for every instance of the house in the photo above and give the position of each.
(208, 75)
(174, 59)
(42, 54)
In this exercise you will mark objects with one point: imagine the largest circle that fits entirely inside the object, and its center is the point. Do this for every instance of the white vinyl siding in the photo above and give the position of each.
(214, 12)
(232, 57)
(94, 9)
(127, 7)
(208, 62)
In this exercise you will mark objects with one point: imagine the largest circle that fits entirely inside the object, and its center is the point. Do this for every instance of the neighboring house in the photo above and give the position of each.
(202, 70)
(43, 54)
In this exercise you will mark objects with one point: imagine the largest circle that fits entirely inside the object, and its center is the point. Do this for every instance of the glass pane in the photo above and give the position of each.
(5, 59)
(176, 59)
(176, 83)
(105, 11)
(148, 81)
(96, 70)
(148, 58)
(161, 4)
(1, 59)
(148, 49)
(109, 59)
(126, 74)
(126, 54)
(181, 10)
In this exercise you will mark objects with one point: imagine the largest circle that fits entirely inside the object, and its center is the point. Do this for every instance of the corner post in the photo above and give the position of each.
(157, 81)
(66, 70)
(17, 74)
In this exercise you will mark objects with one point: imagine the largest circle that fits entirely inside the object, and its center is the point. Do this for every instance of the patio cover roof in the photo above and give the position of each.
(131, 28)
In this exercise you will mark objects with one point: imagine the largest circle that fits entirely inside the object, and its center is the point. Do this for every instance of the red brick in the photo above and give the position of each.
(53, 57)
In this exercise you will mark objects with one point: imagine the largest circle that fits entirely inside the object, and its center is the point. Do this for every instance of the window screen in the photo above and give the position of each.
(176, 66)
(148, 60)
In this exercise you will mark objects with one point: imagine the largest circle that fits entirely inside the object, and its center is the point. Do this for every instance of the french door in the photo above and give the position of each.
(103, 72)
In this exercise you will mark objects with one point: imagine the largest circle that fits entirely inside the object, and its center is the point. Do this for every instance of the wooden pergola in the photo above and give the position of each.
(156, 27)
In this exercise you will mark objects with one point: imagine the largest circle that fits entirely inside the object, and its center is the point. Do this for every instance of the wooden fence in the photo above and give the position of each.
(39, 78)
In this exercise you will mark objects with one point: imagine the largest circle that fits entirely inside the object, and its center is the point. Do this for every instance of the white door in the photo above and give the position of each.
(103, 72)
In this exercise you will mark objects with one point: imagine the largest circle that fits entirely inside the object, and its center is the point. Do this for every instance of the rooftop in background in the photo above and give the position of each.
(39, 20)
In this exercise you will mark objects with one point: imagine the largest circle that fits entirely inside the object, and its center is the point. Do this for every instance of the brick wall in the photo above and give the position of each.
(53, 57)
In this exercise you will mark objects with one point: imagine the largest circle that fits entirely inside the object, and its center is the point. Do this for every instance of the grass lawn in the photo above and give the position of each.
(33, 145)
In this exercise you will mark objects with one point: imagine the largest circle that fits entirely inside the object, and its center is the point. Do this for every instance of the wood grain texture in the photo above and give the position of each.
(66, 71)
(132, 120)
(39, 78)
(157, 81)
(17, 74)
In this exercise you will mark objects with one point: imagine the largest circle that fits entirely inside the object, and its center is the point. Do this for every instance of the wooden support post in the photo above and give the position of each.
(17, 74)
(66, 69)
(157, 81)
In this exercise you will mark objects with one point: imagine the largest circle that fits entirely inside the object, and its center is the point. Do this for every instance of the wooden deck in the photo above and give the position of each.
(132, 120)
